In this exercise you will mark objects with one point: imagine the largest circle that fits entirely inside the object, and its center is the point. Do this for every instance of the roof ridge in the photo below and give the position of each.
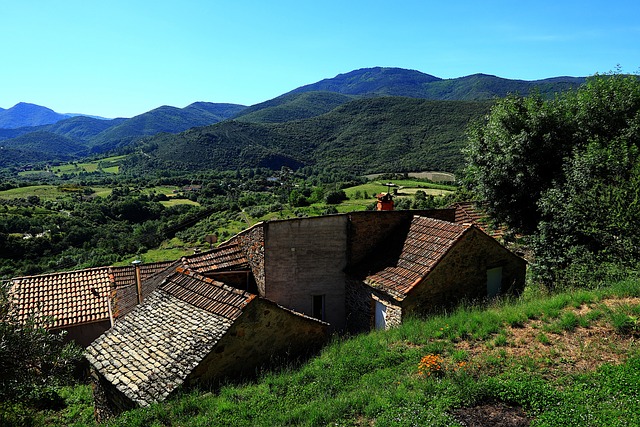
(57, 273)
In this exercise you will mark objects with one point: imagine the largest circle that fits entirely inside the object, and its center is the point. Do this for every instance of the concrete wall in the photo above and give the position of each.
(462, 274)
(306, 257)
(264, 335)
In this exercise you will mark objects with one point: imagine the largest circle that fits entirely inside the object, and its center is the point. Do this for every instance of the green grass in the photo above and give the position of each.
(374, 378)
(175, 202)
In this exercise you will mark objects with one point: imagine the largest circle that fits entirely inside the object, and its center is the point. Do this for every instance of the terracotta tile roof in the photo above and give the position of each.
(124, 279)
(474, 213)
(469, 212)
(426, 243)
(223, 258)
(150, 352)
(68, 298)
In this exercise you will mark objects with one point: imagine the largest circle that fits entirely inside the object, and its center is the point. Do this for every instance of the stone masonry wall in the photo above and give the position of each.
(252, 243)
(461, 274)
(264, 335)
(370, 228)
(361, 301)
(108, 401)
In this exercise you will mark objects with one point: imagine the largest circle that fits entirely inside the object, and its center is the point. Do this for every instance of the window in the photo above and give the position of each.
(318, 307)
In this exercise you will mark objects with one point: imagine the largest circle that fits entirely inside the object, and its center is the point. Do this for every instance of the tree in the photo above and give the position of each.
(32, 360)
(335, 197)
(516, 155)
(566, 171)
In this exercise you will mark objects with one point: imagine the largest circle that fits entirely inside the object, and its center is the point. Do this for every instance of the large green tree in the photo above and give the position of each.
(565, 170)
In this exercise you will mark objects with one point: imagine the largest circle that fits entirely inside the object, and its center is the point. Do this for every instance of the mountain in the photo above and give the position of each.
(83, 135)
(24, 114)
(162, 119)
(320, 99)
(293, 106)
(380, 81)
(364, 135)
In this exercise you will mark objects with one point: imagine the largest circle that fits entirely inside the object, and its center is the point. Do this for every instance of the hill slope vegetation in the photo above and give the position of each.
(363, 136)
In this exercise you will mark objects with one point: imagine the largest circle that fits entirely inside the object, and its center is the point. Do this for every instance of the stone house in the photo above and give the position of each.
(192, 330)
(429, 265)
(78, 302)
(302, 263)
(84, 303)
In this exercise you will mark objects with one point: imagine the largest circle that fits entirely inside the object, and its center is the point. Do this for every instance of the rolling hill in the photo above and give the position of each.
(321, 99)
(25, 114)
(380, 81)
(90, 135)
(365, 135)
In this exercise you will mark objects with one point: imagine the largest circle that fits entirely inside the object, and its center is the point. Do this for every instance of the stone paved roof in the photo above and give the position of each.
(69, 298)
(149, 352)
(425, 245)
(223, 258)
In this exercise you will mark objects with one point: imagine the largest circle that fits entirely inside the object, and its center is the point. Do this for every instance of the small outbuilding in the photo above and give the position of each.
(428, 266)
(192, 330)
(78, 302)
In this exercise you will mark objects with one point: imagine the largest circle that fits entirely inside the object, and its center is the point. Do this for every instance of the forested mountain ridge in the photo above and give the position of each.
(96, 136)
(25, 114)
(365, 135)
(382, 81)
(93, 135)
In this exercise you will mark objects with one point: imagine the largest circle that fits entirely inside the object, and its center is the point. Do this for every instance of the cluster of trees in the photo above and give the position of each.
(566, 172)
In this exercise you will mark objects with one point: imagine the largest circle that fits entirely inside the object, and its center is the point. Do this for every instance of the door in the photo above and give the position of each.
(494, 281)
(381, 315)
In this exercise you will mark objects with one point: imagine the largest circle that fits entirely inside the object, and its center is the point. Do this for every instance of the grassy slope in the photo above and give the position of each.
(568, 360)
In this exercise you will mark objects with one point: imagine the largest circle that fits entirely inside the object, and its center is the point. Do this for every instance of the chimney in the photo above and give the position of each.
(385, 201)
(136, 264)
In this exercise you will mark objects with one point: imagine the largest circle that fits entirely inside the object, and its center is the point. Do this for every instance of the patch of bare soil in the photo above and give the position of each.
(492, 414)
(579, 350)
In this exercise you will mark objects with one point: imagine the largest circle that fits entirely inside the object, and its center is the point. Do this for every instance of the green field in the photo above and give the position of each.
(109, 165)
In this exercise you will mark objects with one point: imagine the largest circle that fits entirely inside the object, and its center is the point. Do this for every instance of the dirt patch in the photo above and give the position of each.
(493, 414)
(578, 350)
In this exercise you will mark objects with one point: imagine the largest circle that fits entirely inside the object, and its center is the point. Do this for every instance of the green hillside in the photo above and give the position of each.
(77, 136)
(400, 82)
(162, 119)
(364, 136)
(569, 359)
(293, 107)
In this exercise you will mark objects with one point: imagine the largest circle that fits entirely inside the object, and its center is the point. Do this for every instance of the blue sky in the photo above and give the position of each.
(120, 58)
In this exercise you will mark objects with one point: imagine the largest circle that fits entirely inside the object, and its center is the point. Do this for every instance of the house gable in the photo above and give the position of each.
(427, 241)
(150, 352)
(462, 274)
(77, 301)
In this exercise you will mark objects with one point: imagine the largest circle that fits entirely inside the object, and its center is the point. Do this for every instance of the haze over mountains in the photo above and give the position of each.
(30, 133)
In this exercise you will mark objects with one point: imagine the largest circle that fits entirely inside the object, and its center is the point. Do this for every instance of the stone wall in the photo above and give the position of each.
(108, 401)
(361, 300)
(305, 258)
(252, 243)
(265, 335)
(368, 229)
(462, 274)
